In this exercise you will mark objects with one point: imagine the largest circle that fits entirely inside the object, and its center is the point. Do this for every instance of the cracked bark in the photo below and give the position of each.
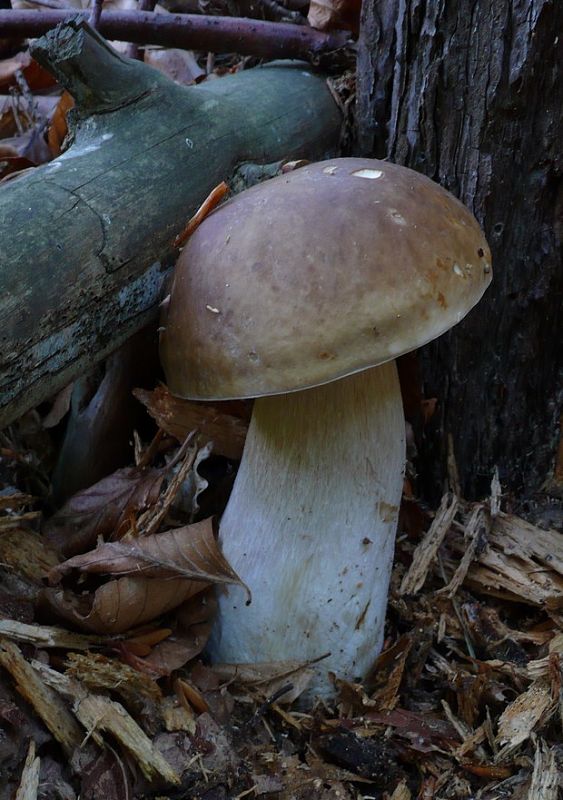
(86, 240)
(470, 94)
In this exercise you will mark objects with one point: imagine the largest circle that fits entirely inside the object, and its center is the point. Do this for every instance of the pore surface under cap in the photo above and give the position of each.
(317, 274)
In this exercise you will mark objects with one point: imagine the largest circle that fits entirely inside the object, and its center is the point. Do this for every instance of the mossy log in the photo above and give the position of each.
(86, 240)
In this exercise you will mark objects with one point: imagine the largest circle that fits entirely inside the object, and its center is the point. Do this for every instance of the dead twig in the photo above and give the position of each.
(190, 31)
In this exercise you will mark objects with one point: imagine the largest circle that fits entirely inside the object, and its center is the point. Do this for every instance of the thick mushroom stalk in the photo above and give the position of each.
(310, 526)
(323, 273)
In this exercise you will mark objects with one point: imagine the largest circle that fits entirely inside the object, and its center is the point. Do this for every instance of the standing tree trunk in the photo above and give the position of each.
(470, 93)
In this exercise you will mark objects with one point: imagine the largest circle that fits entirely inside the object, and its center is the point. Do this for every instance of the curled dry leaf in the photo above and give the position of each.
(168, 568)
(178, 417)
(188, 552)
(120, 605)
(103, 509)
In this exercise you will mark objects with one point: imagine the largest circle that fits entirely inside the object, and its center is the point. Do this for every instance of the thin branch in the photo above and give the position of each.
(133, 49)
(189, 31)
(95, 14)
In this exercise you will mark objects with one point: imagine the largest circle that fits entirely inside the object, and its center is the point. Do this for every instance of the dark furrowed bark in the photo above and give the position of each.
(471, 94)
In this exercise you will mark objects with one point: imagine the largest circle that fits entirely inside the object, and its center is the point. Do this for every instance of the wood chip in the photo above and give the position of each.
(522, 716)
(29, 783)
(46, 702)
(98, 714)
(470, 743)
(46, 636)
(545, 778)
(15, 500)
(98, 672)
(496, 494)
(476, 530)
(177, 717)
(402, 792)
(26, 553)
(427, 550)
(522, 563)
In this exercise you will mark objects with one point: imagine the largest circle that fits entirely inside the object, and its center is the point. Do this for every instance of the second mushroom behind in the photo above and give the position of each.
(301, 292)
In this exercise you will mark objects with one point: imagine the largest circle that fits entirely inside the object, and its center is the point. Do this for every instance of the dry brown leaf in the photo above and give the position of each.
(58, 128)
(268, 678)
(178, 417)
(122, 604)
(168, 569)
(13, 499)
(11, 166)
(104, 509)
(180, 65)
(194, 620)
(335, 14)
(35, 76)
(142, 643)
(424, 731)
(15, 114)
(387, 673)
(190, 552)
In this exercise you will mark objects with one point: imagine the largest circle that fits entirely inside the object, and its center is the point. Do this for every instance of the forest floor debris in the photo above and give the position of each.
(463, 702)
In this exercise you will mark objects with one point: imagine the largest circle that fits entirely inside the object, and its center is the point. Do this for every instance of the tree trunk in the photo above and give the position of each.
(86, 239)
(471, 94)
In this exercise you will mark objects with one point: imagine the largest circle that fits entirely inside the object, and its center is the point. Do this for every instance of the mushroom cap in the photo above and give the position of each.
(316, 274)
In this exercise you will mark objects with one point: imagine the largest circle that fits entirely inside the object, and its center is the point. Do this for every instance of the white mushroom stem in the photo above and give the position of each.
(310, 526)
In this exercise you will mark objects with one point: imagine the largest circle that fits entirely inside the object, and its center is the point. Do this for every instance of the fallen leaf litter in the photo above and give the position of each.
(464, 701)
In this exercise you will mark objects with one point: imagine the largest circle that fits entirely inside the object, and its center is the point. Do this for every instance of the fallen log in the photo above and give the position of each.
(86, 240)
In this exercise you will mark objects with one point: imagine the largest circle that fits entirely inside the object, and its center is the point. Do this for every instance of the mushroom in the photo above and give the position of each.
(300, 292)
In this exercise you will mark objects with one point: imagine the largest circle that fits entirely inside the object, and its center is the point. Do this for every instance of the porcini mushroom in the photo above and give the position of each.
(300, 292)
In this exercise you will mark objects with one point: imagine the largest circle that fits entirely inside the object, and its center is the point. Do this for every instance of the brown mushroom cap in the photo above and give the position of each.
(317, 274)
